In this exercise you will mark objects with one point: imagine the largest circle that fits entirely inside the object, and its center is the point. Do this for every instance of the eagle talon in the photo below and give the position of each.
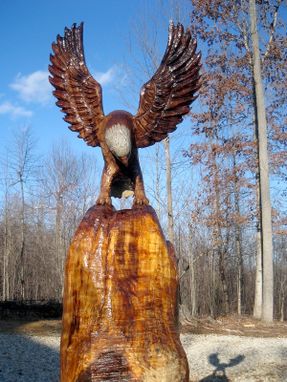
(141, 201)
(104, 200)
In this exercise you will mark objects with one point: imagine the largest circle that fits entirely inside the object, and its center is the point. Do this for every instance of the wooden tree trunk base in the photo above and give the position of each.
(120, 319)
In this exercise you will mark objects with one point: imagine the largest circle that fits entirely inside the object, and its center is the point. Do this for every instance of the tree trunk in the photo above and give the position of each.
(282, 308)
(238, 239)
(239, 272)
(5, 288)
(59, 242)
(223, 280)
(218, 241)
(194, 306)
(192, 281)
(157, 181)
(282, 298)
(22, 243)
(119, 311)
(169, 190)
(211, 288)
(266, 220)
(257, 311)
(5, 247)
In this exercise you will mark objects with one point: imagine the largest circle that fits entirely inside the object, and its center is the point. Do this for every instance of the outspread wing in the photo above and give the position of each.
(167, 96)
(79, 94)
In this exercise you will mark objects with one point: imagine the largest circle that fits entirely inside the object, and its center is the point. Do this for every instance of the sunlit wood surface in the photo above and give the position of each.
(119, 321)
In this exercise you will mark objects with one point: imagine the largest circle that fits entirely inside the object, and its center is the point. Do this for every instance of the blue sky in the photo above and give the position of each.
(29, 27)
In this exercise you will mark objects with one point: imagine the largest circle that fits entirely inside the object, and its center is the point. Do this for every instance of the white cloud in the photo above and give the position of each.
(116, 76)
(14, 111)
(107, 77)
(34, 87)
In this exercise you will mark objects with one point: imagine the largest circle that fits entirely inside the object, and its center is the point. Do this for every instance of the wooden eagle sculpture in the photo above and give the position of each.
(164, 99)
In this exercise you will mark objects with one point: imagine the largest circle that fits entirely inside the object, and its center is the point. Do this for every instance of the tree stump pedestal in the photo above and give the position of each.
(120, 308)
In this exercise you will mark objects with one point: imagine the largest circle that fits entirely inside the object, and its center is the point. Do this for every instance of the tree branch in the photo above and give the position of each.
(272, 31)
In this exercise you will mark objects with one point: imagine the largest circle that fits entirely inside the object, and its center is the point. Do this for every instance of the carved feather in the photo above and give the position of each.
(79, 94)
(167, 96)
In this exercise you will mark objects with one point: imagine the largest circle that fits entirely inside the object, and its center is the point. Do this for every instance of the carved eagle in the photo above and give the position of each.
(164, 100)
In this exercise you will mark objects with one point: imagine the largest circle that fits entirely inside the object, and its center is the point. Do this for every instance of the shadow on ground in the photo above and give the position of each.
(23, 358)
(219, 374)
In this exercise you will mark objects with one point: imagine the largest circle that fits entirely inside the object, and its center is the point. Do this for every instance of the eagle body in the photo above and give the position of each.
(164, 100)
(118, 134)
(122, 170)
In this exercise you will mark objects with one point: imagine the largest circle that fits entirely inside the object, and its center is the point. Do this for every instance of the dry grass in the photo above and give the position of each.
(228, 325)
(235, 325)
(36, 328)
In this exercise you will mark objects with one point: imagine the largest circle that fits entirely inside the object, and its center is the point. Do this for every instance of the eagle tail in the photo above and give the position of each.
(122, 188)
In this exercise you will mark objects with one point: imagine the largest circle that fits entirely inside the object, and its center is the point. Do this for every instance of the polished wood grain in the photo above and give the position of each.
(119, 319)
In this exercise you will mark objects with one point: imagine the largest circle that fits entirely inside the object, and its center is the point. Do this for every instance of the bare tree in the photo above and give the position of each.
(257, 309)
(228, 36)
(23, 164)
(261, 124)
(65, 183)
(6, 230)
(169, 190)
(146, 37)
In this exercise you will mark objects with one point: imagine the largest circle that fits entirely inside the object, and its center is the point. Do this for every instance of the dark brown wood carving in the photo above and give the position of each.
(120, 319)
(164, 100)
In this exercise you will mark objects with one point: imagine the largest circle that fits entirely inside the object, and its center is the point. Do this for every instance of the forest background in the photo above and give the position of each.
(204, 181)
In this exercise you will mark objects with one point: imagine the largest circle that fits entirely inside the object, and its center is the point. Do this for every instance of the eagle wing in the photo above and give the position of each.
(79, 94)
(167, 96)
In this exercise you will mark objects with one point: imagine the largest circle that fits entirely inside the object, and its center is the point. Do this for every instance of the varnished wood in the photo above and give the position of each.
(164, 100)
(167, 96)
(119, 320)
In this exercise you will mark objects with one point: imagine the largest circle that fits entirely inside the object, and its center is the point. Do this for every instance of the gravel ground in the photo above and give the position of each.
(244, 359)
(25, 358)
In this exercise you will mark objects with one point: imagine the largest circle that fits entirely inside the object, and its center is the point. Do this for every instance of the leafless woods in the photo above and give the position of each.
(213, 211)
